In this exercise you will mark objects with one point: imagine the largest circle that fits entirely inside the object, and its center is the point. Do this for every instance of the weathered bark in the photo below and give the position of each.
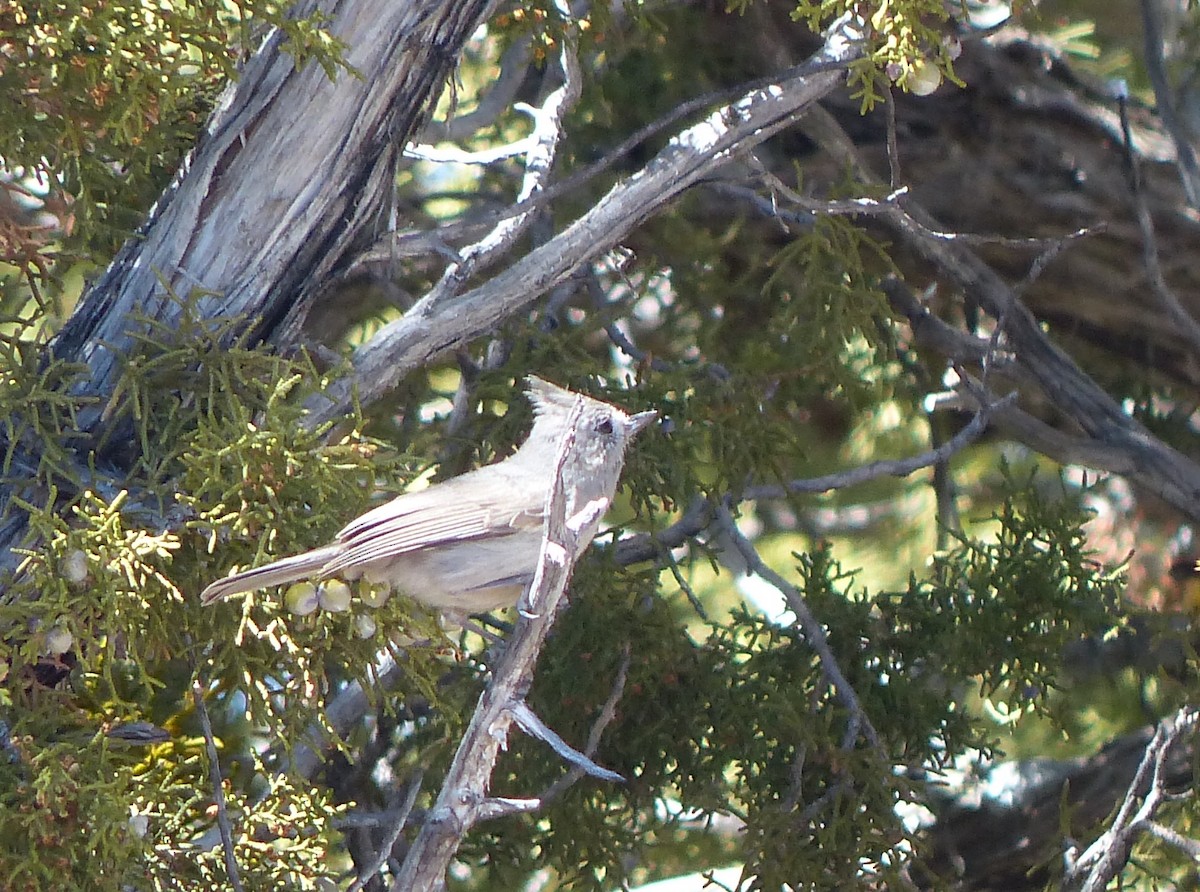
(287, 183)
(292, 171)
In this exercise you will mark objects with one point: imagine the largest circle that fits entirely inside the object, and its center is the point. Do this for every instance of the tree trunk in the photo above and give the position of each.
(294, 169)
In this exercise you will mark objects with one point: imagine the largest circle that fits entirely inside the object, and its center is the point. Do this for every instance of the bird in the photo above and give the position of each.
(470, 544)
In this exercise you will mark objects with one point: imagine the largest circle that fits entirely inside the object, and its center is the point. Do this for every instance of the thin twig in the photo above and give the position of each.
(1188, 325)
(214, 774)
(891, 206)
(893, 143)
(943, 483)
(531, 724)
(1189, 169)
(399, 819)
(688, 592)
(893, 467)
(608, 712)
(461, 802)
(619, 338)
(814, 633)
(1103, 860)
(540, 148)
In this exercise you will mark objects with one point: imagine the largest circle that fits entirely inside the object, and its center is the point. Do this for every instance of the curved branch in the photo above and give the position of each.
(462, 801)
(436, 323)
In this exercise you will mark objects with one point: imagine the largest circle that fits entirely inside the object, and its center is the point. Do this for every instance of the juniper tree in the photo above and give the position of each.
(901, 284)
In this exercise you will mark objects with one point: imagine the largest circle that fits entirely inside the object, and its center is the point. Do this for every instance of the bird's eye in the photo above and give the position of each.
(605, 427)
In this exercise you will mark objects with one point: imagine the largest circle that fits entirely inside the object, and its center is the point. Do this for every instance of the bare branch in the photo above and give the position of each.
(455, 155)
(699, 515)
(1188, 846)
(1152, 43)
(608, 712)
(1150, 257)
(461, 802)
(894, 467)
(1103, 860)
(514, 66)
(399, 818)
(1048, 440)
(539, 148)
(214, 773)
(435, 324)
(503, 807)
(532, 725)
(1152, 463)
(814, 634)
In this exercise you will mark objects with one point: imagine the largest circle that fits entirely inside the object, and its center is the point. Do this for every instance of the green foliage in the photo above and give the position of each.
(83, 814)
(110, 631)
(828, 310)
(786, 343)
(60, 801)
(773, 354)
(38, 413)
(1036, 583)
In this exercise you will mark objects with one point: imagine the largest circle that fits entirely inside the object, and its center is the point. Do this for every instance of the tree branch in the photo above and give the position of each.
(814, 634)
(437, 322)
(399, 819)
(214, 772)
(891, 467)
(540, 150)
(1153, 44)
(1176, 311)
(1104, 859)
(1151, 463)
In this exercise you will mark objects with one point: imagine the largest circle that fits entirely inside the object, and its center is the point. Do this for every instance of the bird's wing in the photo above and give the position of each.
(457, 510)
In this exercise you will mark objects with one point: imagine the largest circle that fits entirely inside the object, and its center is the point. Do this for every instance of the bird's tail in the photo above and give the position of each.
(285, 570)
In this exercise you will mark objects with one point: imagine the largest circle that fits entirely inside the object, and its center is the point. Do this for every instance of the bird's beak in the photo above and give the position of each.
(640, 420)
